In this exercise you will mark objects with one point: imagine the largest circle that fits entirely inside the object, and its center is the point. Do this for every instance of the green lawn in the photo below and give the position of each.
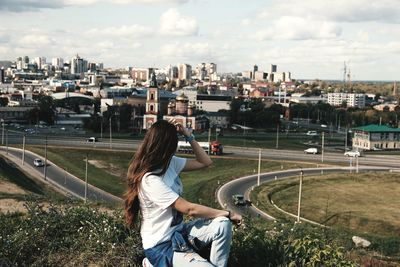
(367, 202)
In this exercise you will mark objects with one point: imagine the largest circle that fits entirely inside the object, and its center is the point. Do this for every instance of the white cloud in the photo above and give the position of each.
(338, 10)
(122, 31)
(245, 22)
(35, 5)
(297, 28)
(35, 40)
(186, 50)
(175, 24)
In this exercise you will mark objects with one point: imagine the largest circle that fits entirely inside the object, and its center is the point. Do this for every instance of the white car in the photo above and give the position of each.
(312, 133)
(311, 150)
(38, 162)
(352, 154)
(92, 139)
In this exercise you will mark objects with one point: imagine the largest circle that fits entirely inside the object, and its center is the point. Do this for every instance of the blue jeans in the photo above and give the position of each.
(217, 232)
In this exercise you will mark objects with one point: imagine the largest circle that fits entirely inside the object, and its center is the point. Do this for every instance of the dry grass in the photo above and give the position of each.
(367, 202)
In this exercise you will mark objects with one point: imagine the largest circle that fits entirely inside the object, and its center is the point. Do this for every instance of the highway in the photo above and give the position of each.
(243, 185)
(58, 177)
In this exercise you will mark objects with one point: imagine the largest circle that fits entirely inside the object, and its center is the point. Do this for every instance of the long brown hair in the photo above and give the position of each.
(154, 155)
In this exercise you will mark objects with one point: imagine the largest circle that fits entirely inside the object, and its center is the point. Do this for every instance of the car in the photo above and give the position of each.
(91, 139)
(311, 150)
(38, 162)
(239, 200)
(352, 154)
(312, 133)
(324, 126)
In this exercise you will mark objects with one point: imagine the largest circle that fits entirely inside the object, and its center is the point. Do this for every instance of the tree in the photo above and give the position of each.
(46, 109)
(3, 101)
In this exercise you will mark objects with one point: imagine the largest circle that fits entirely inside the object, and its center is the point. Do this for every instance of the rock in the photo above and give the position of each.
(360, 242)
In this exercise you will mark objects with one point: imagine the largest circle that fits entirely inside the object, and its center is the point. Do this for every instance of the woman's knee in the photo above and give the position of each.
(224, 226)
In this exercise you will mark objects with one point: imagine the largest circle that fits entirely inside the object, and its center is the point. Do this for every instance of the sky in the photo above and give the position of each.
(312, 39)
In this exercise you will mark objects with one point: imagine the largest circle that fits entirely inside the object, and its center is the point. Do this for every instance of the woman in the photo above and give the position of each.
(154, 188)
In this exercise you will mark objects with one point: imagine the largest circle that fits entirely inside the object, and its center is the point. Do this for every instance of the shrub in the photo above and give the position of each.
(67, 236)
(80, 235)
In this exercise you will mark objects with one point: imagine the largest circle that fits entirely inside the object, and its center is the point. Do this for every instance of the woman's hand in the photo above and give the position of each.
(179, 128)
(235, 218)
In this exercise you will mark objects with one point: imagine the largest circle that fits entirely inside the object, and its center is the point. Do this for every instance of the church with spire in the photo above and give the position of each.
(178, 109)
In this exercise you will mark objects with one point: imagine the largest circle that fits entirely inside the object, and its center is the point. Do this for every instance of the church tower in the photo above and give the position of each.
(152, 103)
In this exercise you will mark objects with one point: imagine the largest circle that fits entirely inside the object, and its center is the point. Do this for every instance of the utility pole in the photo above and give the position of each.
(356, 164)
(23, 149)
(300, 187)
(45, 159)
(2, 133)
(277, 136)
(101, 128)
(110, 133)
(259, 167)
(323, 144)
(86, 176)
(209, 140)
(7, 142)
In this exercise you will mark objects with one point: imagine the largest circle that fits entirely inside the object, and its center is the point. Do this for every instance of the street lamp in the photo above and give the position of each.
(322, 148)
(2, 133)
(259, 167)
(300, 187)
(110, 122)
(277, 136)
(45, 159)
(86, 176)
(23, 149)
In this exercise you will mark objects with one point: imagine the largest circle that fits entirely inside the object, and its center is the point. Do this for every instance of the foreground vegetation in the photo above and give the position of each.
(357, 204)
(79, 235)
(53, 232)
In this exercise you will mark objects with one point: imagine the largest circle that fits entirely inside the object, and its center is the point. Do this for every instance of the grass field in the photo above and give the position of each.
(109, 170)
(367, 202)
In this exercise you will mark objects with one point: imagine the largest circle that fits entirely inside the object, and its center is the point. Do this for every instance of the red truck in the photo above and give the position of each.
(216, 148)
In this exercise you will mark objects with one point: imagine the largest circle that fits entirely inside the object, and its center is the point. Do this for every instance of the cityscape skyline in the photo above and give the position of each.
(308, 38)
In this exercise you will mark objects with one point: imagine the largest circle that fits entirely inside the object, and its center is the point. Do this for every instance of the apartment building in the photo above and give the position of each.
(350, 99)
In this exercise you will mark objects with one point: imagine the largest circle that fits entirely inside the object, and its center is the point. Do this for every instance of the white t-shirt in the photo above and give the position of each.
(156, 195)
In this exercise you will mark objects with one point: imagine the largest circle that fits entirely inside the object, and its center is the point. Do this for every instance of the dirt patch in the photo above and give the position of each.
(108, 167)
(10, 188)
(11, 205)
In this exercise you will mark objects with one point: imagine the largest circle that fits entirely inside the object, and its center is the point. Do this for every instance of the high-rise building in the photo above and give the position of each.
(40, 62)
(184, 72)
(274, 68)
(211, 69)
(247, 74)
(19, 63)
(57, 62)
(141, 74)
(78, 65)
(255, 69)
(206, 71)
(2, 75)
(350, 99)
(260, 75)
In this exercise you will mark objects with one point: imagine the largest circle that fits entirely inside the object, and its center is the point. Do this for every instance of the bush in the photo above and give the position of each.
(67, 236)
(80, 235)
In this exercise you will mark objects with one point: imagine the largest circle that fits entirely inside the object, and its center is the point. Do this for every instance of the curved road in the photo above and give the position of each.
(244, 185)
